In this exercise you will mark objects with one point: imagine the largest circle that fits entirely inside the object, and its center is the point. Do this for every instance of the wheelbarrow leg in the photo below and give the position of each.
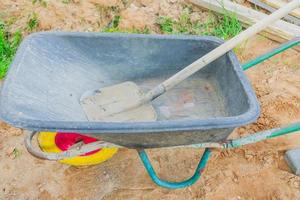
(174, 185)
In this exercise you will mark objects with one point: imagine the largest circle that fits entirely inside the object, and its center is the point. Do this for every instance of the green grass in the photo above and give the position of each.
(227, 25)
(32, 22)
(183, 25)
(114, 27)
(224, 26)
(41, 2)
(8, 47)
(66, 1)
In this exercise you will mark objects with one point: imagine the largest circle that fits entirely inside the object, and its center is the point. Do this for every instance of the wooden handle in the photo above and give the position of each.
(219, 51)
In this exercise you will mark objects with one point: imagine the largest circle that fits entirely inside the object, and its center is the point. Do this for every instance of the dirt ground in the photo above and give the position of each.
(255, 171)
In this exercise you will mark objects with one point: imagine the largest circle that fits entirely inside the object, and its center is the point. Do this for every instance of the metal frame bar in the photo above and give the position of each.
(271, 53)
(175, 185)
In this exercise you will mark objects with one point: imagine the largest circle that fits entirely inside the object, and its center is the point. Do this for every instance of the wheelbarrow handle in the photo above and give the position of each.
(271, 53)
(175, 185)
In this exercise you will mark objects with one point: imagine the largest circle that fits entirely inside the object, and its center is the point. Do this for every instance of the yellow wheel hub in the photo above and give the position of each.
(55, 142)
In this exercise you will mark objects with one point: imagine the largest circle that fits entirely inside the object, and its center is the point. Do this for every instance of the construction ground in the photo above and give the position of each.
(256, 171)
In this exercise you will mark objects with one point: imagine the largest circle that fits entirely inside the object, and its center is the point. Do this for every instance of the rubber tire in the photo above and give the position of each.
(47, 143)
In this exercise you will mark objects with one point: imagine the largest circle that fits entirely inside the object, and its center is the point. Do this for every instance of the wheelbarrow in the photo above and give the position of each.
(52, 70)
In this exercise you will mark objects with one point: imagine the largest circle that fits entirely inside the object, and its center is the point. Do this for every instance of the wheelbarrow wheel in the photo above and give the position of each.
(55, 142)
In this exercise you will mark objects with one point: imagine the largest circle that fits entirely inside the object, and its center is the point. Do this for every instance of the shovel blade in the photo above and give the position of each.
(110, 104)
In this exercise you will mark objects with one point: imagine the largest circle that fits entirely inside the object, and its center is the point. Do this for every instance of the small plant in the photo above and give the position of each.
(11, 20)
(114, 27)
(227, 25)
(8, 47)
(42, 2)
(108, 13)
(16, 153)
(166, 24)
(32, 22)
(183, 25)
(66, 1)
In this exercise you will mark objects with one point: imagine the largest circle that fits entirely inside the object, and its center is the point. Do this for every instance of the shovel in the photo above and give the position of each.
(127, 102)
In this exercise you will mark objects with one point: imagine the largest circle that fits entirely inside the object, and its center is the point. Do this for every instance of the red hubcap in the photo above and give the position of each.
(65, 140)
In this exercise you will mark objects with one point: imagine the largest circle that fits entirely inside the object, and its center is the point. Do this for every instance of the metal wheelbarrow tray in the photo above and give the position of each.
(52, 70)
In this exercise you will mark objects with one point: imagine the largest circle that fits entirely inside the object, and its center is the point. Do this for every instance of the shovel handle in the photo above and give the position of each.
(219, 51)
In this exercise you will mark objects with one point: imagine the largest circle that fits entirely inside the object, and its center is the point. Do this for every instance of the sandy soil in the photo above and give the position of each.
(255, 171)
